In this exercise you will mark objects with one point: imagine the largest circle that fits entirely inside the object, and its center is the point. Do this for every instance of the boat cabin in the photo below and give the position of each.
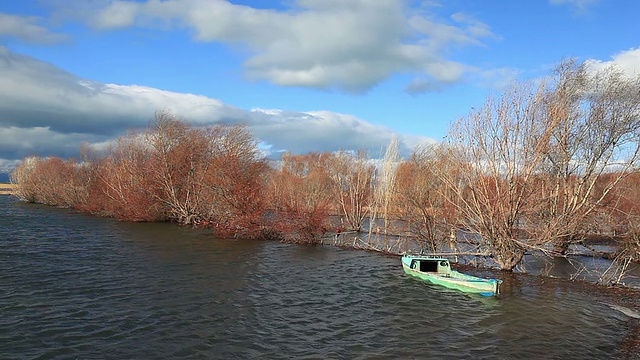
(431, 265)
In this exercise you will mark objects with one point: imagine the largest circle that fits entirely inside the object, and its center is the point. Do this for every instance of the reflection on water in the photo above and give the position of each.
(75, 286)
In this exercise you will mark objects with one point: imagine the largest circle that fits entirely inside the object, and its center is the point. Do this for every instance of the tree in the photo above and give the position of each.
(498, 150)
(236, 181)
(352, 178)
(21, 176)
(300, 196)
(628, 252)
(384, 186)
(179, 160)
(211, 176)
(123, 187)
(422, 197)
(50, 181)
(595, 117)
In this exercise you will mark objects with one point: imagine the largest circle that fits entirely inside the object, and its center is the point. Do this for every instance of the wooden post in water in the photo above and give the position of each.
(453, 242)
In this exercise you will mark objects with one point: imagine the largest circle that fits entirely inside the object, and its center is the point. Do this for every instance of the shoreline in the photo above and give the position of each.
(333, 240)
(7, 189)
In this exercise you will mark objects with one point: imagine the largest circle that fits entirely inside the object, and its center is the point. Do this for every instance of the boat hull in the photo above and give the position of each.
(453, 279)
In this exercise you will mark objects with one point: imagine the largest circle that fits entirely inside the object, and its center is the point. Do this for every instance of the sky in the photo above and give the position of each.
(302, 75)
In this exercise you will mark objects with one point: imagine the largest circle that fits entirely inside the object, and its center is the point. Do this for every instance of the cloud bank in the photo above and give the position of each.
(348, 45)
(47, 111)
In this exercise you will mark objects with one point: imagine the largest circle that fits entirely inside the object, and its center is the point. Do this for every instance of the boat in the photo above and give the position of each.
(438, 271)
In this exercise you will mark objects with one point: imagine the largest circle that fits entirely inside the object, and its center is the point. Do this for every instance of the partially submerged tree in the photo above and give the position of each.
(352, 176)
(50, 181)
(237, 179)
(213, 176)
(384, 187)
(22, 177)
(627, 253)
(207, 175)
(594, 144)
(123, 187)
(540, 163)
(498, 156)
(180, 157)
(300, 195)
(422, 196)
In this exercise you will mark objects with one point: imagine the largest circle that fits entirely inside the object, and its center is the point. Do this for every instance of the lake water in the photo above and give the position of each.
(80, 287)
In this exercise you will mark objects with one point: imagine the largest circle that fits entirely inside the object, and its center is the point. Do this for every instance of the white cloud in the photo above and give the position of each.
(627, 61)
(46, 111)
(349, 45)
(118, 14)
(327, 131)
(25, 29)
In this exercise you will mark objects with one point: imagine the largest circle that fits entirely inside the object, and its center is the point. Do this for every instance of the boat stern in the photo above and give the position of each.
(495, 284)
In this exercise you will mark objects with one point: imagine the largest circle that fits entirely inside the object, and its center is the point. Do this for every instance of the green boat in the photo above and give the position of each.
(438, 271)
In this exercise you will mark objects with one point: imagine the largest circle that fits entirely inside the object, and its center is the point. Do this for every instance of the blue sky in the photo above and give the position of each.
(303, 75)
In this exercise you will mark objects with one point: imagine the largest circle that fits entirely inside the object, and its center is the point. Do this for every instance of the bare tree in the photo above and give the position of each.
(499, 152)
(352, 177)
(178, 153)
(21, 176)
(123, 187)
(384, 186)
(595, 143)
(628, 252)
(235, 183)
(422, 197)
(300, 196)
(50, 181)
(535, 161)
(211, 175)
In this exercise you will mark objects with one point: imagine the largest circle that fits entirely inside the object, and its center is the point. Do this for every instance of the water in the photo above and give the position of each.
(75, 286)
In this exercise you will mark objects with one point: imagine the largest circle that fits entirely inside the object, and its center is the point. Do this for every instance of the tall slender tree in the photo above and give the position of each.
(384, 186)
(352, 176)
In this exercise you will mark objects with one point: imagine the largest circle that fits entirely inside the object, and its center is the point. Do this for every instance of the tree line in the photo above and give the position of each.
(544, 165)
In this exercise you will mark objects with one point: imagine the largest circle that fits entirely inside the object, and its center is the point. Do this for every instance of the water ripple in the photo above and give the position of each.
(80, 287)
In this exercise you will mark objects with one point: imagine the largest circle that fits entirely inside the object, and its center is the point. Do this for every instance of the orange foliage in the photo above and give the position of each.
(300, 196)
(194, 176)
